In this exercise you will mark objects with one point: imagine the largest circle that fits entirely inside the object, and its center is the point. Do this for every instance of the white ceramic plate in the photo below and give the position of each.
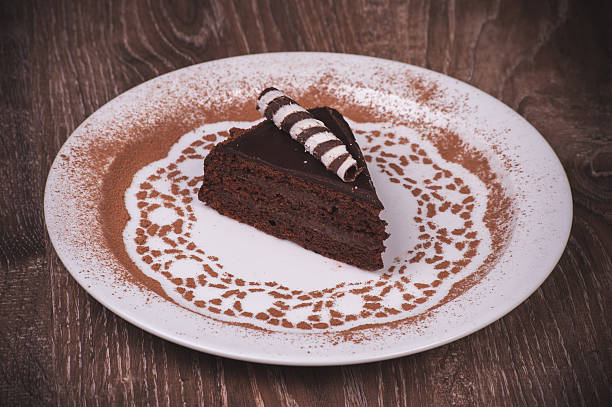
(222, 274)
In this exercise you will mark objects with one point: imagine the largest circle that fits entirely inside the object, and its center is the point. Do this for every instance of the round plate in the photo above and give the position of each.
(477, 204)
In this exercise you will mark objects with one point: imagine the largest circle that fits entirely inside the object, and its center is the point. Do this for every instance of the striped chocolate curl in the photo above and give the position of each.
(317, 139)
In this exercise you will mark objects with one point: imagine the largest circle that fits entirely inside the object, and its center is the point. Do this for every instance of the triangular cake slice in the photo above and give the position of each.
(262, 177)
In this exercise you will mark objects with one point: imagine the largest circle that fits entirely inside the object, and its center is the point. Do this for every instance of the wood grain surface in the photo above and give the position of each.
(61, 60)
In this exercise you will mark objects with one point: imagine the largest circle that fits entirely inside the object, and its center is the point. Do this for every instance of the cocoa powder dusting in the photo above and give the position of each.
(151, 141)
(112, 208)
(499, 206)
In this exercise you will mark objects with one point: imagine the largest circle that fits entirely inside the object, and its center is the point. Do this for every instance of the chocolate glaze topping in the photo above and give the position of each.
(266, 143)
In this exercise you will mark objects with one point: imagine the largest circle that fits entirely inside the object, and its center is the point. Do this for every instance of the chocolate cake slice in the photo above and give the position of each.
(263, 177)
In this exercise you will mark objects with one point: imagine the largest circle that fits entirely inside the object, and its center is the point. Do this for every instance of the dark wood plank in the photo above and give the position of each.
(61, 60)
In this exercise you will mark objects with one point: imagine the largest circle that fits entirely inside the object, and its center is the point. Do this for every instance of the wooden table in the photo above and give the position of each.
(60, 61)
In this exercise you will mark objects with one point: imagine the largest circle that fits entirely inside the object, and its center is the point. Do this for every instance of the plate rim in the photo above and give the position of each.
(509, 306)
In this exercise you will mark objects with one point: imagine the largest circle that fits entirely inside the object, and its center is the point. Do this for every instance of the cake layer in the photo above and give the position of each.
(243, 178)
(270, 213)
(292, 229)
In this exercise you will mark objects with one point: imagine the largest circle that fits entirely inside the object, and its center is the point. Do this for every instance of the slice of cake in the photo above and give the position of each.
(263, 177)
